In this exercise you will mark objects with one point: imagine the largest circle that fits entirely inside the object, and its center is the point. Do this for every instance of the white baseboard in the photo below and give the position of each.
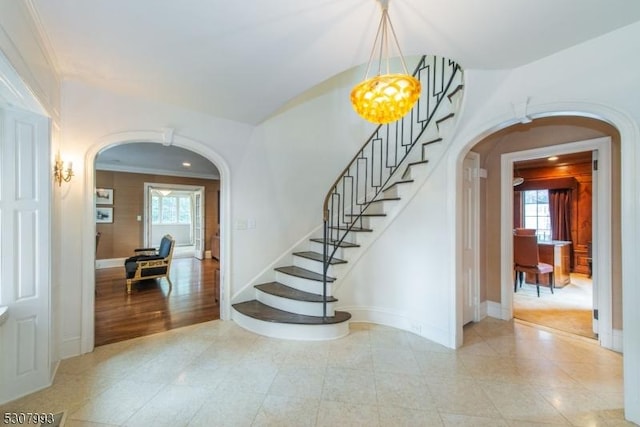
(398, 321)
(110, 263)
(494, 309)
(483, 310)
(70, 347)
(617, 341)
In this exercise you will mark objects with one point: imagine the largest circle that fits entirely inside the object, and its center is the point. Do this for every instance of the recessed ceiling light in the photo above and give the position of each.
(186, 164)
(553, 158)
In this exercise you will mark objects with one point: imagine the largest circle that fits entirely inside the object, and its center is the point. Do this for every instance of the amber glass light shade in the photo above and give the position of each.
(385, 98)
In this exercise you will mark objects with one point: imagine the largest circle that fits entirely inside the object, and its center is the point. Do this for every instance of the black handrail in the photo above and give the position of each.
(370, 170)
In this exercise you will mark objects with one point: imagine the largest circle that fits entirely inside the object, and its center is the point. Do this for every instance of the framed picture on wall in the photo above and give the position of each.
(104, 196)
(104, 215)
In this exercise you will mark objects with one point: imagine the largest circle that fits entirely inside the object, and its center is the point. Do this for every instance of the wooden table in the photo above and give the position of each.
(558, 254)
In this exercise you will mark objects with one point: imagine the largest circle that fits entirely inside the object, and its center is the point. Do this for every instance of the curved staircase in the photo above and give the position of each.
(298, 303)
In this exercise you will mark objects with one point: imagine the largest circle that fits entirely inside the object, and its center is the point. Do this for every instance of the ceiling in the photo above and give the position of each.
(156, 159)
(243, 60)
(560, 160)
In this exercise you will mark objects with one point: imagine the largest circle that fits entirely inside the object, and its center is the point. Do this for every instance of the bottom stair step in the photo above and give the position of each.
(260, 311)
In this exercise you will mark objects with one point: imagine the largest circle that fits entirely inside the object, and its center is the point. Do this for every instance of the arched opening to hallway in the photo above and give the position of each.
(190, 271)
(148, 191)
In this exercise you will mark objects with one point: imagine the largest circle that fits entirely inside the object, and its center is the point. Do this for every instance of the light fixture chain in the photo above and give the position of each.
(395, 39)
(373, 49)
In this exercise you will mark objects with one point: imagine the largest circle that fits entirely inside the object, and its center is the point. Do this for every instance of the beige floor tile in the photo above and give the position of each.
(284, 411)
(461, 396)
(228, 408)
(507, 373)
(250, 377)
(80, 423)
(492, 368)
(350, 386)
(351, 356)
(582, 407)
(405, 391)
(331, 414)
(172, 406)
(605, 378)
(118, 403)
(382, 336)
(399, 360)
(455, 420)
(300, 382)
(393, 416)
(521, 402)
(436, 365)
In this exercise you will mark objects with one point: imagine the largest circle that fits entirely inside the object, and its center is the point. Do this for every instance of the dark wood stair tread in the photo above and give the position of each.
(445, 118)
(367, 214)
(284, 291)
(354, 229)
(421, 162)
(342, 244)
(318, 257)
(292, 270)
(385, 199)
(433, 141)
(260, 311)
(403, 181)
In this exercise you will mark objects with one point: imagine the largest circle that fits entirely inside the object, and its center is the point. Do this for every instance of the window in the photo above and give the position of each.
(536, 212)
(171, 209)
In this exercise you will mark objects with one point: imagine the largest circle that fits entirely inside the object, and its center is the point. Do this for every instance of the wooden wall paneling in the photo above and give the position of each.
(581, 209)
(119, 239)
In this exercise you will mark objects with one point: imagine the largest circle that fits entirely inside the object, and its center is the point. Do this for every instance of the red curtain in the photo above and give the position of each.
(560, 213)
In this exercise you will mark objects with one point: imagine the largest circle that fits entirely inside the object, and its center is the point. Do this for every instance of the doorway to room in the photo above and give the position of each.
(552, 199)
(566, 255)
(149, 200)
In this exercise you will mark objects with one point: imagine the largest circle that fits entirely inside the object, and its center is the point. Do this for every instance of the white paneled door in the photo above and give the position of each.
(470, 236)
(25, 188)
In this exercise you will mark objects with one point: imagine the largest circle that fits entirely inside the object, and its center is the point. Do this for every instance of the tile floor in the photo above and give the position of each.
(217, 374)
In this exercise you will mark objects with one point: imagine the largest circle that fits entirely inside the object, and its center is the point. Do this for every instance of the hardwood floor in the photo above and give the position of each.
(151, 308)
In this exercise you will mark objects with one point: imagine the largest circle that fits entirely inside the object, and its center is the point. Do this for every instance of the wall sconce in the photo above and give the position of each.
(60, 173)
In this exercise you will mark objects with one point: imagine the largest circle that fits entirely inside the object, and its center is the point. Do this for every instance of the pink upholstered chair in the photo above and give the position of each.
(526, 260)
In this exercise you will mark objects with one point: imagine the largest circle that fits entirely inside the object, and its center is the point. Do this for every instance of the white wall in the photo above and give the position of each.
(279, 173)
(411, 271)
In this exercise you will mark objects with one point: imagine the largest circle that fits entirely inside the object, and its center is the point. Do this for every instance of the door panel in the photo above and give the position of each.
(470, 238)
(24, 253)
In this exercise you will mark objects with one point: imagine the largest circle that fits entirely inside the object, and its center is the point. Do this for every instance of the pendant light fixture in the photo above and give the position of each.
(387, 97)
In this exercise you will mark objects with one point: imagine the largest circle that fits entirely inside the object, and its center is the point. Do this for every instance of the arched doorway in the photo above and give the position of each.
(89, 227)
(496, 232)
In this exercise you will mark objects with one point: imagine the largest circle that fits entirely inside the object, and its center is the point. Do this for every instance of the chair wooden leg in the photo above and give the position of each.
(170, 284)
(551, 281)
(128, 286)
(521, 278)
(537, 286)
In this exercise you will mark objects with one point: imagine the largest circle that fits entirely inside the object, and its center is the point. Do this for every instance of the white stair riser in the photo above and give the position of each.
(340, 252)
(446, 127)
(312, 265)
(294, 306)
(399, 190)
(302, 284)
(291, 331)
